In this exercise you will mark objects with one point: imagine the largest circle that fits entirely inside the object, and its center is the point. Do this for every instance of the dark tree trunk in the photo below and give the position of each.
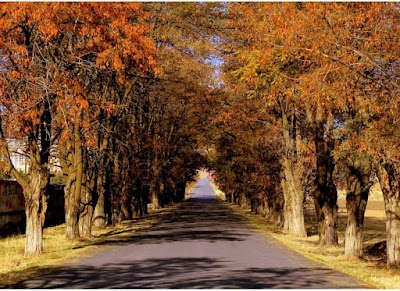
(99, 215)
(71, 212)
(108, 205)
(145, 198)
(126, 204)
(155, 186)
(154, 194)
(72, 191)
(101, 183)
(325, 193)
(274, 204)
(180, 191)
(388, 175)
(86, 207)
(358, 185)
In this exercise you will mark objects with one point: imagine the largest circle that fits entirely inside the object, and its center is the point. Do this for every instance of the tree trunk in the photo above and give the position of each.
(293, 215)
(126, 202)
(154, 193)
(86, 207)
(126, 186)
(85, 215)
(325, 193)
(35, 200)
(73, 187)
(99, 215)
(145, 198)
(86, 210)
(35, 186)
(71, 209)
(388, 175)
(274, 204)
(35, 209)
(180, 191)
(34, 230)
(358, 186)
(242, 200)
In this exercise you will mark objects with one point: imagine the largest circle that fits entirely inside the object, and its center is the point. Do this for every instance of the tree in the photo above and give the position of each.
(260, 68)
(180, 98)
(70, 45)
(29, 87)
(320, 70)
(98, 38)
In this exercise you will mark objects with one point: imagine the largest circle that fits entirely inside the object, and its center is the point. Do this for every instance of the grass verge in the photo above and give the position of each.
(373, 273)
(58, 250)
(218, 193)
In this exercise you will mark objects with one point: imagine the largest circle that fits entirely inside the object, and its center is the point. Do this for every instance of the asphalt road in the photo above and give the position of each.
(202, 245)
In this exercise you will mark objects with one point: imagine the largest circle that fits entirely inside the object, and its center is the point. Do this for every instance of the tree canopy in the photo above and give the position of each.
(286, 101)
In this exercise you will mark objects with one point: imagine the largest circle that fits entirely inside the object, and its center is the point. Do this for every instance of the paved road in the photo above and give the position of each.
(202, 245)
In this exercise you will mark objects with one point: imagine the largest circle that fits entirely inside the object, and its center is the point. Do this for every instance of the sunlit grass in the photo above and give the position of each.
(58, 250)
(218, 193)
(373, 273)
(15, 266)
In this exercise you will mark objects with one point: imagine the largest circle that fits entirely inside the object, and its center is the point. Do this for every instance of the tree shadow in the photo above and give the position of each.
(374, 229)
(194, 220)
(180, 272)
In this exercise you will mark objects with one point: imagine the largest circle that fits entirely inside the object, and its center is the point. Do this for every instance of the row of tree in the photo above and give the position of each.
(296, 98)
(115, 94)
(312, 104)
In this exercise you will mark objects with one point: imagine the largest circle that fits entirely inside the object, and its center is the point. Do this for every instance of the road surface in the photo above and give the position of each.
(202, 245)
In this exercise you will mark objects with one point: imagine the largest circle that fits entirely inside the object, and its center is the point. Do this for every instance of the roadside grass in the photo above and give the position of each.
(368, 269)
(218, 193)
(189, 187)
(59, 251)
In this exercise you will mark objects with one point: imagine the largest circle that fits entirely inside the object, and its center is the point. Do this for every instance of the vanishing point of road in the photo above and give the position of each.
(201, 245)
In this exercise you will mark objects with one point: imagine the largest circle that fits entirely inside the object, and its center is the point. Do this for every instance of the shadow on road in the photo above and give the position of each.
(178, 273)
(199, 219)
(201, 244)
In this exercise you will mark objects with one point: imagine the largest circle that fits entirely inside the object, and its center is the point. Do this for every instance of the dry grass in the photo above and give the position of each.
(218, 193)
(189, 187)
(59, 251)
(15, 266)
(370, 271)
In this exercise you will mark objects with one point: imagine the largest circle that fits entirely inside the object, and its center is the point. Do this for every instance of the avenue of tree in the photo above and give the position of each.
(117, 93)
(283, 100)
(313, 105)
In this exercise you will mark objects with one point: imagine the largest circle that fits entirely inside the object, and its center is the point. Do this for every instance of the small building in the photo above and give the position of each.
(20, 158)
